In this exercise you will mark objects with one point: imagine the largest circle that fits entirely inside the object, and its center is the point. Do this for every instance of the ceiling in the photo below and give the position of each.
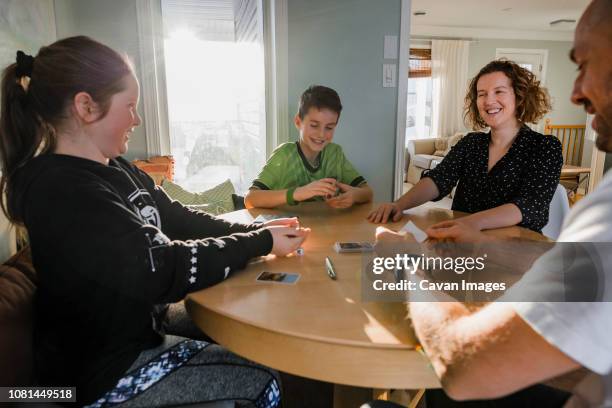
(521, 19)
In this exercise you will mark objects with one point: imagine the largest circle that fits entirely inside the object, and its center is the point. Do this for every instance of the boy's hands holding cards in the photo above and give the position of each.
(325, 187)
(287, 239)
(345, 199)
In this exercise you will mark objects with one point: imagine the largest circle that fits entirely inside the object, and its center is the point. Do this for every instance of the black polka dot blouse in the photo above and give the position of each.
(527, 175)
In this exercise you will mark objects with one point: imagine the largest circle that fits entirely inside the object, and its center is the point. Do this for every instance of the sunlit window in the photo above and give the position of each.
(216, 91)
(418, 118)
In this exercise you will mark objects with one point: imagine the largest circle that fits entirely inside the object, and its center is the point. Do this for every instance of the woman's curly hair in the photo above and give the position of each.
(532, 100)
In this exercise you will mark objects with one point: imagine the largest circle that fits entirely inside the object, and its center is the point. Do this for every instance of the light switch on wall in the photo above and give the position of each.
(390, 47)
(389, 75)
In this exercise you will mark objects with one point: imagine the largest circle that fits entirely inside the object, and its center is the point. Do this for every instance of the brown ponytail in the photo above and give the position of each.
(30, 113)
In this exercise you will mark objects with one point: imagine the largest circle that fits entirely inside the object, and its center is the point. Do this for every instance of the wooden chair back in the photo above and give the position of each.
(572, 140)
(158, 167)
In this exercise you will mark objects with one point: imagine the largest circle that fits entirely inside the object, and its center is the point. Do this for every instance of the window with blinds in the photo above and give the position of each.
(420, 63)
(419, 103)
(216, 90)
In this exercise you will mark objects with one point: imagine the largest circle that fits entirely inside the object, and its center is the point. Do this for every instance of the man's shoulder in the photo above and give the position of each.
(591, 218)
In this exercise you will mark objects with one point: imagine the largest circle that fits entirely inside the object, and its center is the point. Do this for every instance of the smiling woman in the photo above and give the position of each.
(504, 177)
(511, 84)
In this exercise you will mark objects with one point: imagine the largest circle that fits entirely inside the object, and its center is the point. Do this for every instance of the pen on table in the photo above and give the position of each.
(330, 268)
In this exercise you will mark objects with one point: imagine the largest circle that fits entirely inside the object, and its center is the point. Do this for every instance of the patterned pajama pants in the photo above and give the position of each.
(183, 371)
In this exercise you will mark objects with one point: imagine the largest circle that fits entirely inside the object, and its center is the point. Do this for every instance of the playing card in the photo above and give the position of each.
(278, 277)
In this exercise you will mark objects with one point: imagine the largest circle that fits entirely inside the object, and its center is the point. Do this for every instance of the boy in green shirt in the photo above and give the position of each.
(313, 168)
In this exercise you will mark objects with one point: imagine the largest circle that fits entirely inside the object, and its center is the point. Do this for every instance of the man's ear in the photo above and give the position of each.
(297, 121)
(85, 107)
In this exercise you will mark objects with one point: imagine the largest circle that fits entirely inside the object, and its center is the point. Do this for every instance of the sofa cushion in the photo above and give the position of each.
(440, 144)
(217, 200)
(17, 287)
(424, 160)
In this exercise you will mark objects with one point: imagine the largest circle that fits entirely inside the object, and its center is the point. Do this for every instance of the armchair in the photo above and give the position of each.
(426, 154)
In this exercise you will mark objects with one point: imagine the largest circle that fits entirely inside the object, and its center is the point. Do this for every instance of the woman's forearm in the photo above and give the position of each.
(425, 190)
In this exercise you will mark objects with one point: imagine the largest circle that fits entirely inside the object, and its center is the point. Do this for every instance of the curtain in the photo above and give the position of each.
(449, 75)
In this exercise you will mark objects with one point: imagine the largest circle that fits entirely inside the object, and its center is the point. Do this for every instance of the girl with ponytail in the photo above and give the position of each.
(110, 248)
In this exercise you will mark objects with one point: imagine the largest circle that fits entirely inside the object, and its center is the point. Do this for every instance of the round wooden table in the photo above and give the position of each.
(319, 328)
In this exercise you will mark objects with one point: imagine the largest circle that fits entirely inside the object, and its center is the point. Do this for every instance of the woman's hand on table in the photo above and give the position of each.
(384, 212)
(345, 199)
(292, 222)
(287, 239)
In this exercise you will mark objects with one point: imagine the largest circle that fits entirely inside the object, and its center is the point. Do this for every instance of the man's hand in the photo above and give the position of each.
(385, 212)
(384, 234)
(456, 230)
(325, 187)
(346, 197)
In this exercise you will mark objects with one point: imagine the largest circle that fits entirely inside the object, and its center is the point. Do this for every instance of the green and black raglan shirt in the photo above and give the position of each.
(287, 167)
(110, 248)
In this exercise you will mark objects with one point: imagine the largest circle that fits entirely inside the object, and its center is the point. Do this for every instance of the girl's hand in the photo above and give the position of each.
(283, 222)
(286, 239)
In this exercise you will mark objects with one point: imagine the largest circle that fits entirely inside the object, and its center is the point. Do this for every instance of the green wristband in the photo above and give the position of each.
(290, 199)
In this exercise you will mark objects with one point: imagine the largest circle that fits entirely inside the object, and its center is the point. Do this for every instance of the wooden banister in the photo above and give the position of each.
(571, 138)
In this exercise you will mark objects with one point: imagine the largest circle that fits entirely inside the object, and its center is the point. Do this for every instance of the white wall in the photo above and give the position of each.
(114, 23)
